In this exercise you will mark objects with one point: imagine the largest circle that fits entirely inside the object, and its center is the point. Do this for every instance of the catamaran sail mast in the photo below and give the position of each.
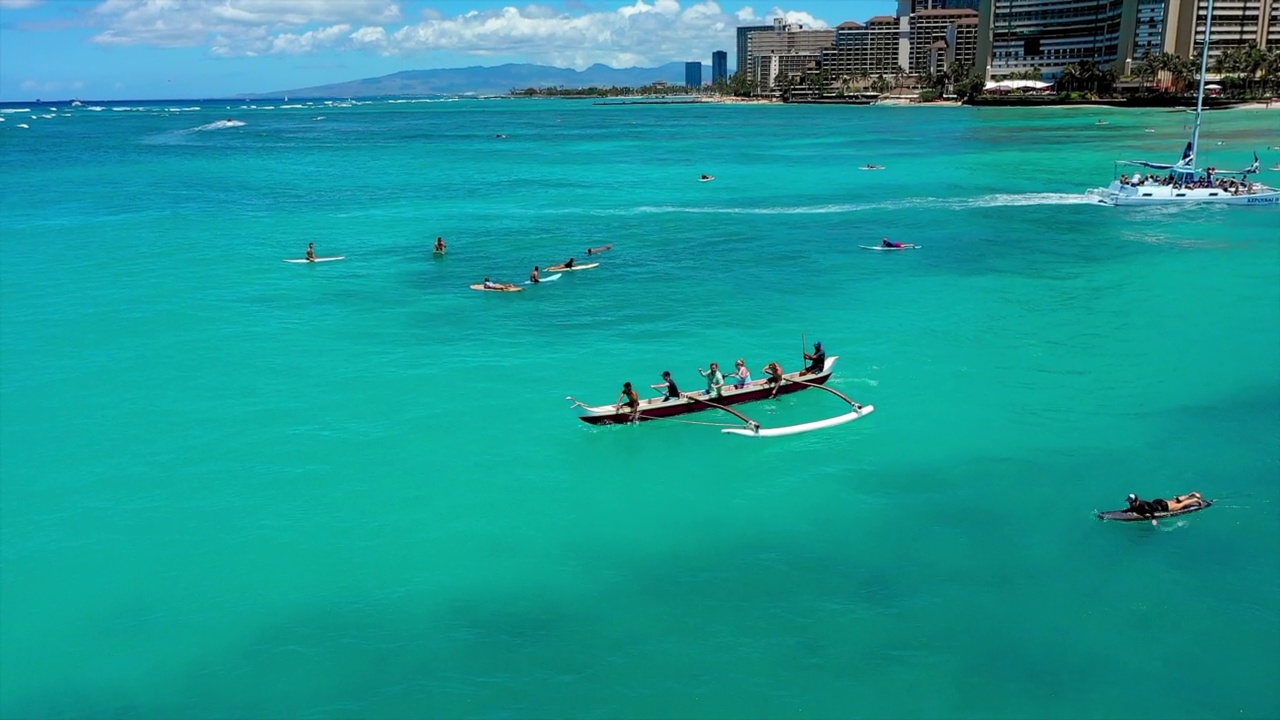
(1204, 66)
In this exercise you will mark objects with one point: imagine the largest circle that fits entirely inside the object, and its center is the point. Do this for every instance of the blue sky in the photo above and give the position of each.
(143, 49)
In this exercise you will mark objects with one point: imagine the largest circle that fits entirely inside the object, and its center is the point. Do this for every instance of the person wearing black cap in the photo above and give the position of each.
(668, 386)
(1148, 508)
(817, 360)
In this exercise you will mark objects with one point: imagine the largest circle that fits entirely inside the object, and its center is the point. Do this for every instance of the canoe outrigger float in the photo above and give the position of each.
(663, 408)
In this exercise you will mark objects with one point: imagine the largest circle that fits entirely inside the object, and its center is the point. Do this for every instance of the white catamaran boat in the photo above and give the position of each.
(1181, 182)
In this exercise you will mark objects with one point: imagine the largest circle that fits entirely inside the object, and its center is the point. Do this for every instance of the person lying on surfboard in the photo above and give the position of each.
(869, 166)
(441, 245)
(706, 177)
(311, 252)
(533, 276)
(629, 398)
(773, 376)
(891, 244)
(817, 360)
(668, 386)
(490, 285)
(1148, 508)
(598, 250)
(566, 266)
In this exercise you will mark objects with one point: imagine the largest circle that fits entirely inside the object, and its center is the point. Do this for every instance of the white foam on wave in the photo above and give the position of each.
(182, 109)
(282, 107)
(24, 125)
(984, 201)
(218, 125)
(7, 111)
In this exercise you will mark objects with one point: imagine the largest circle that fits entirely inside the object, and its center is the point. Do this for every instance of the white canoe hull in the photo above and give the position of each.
(1128, 195)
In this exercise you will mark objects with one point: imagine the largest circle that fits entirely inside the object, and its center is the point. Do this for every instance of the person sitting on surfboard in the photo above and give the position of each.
(669, 386)
(1148, 508)
(715, 380)
(631, 400)
(817, 360)
(533, 276)
(441, 245)
(773, 372)
(311, 252)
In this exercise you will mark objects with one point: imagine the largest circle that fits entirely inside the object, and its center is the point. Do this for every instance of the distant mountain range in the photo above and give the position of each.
(496, 80)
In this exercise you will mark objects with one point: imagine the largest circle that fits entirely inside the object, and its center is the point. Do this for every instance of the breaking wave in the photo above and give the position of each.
(218, 125)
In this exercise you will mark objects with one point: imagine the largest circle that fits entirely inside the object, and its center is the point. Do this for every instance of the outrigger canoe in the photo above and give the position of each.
(693, 402)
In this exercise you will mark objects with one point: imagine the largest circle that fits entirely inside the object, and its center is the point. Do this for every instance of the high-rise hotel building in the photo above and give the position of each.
(1018, 35)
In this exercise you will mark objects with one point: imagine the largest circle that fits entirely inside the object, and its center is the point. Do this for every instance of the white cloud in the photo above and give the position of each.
(18, 4)
(231, 27)
(640, 32)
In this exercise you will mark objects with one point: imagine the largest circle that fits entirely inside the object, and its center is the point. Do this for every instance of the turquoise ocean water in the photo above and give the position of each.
(233, 487)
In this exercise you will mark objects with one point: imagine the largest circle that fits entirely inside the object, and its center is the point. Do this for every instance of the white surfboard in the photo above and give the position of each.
(709, 178)
(325, 259)
(881, 247)
(588, 266)
(548, 278)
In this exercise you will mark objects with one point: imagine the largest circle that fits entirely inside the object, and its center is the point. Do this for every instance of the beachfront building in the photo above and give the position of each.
(940, 38)
(719, 66)
(693, 74)
(744, 44)
(1236, 23)
(786, 50)
(1018, 35)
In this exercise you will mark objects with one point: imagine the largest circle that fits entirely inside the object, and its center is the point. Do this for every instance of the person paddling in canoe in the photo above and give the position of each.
(891, 244)
(741, 375)
(311, 252)
(773, 376)
(817, 360)
(629, 398)
(668, 387)
(534, 276)
(1149, 508)
(715, 379)
(441, 245)
(598, 250)
(491, 285)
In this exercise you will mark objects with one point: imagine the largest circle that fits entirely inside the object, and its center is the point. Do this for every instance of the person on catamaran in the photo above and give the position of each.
(534, 276)
(441, 245)
(715, 380)
(598, 250)
(741, 375)
(1148, 508)
(311, 252)
(891, 244)
(773, 376)
(817, 360)
(629, 398)
(668, 386)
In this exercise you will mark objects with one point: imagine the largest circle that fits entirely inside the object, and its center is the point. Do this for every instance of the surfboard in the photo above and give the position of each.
(561, 268)
(880, 167)
(439, 253)
(304, 260)
(1126, 516)
(482, 288)
(709, 178)
(548, 278)
(881, 247)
